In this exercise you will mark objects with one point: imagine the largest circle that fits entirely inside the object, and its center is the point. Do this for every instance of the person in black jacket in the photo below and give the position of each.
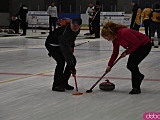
(96, 19)
(155, 25)
(136, 16)
(23, 15)
(14, 24)
(60, 44)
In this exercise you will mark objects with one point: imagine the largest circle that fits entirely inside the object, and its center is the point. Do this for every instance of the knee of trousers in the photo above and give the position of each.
(130, 67)
(61, 62)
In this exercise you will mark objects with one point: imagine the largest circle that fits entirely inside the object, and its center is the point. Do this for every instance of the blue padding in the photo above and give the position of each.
(68, 15)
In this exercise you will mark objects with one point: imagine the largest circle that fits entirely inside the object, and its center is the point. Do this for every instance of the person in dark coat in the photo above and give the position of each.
(23, 16)
(60, 44)
(155, 25)
(14, 24)
(96, 20)
(136, 16)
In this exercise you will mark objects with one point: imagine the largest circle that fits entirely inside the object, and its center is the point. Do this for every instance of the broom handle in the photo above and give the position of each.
(75, 82)
(105, 73)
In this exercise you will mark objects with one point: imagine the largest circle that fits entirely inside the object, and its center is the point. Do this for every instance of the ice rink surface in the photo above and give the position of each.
(26, 76)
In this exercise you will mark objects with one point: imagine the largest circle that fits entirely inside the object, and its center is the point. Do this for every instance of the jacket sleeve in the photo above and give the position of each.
(48, 10)
(114, 53)
(142, 15)
(66, 48)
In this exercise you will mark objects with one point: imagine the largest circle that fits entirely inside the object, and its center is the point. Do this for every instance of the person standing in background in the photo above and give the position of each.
(145, 18)
(14, 24)
(96, 19)
(136, 16)
(155, 24)
(89, 12)
(52, 12)
(23, 15)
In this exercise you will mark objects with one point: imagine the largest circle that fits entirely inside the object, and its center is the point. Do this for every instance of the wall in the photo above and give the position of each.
(33, 5)
(4, 19)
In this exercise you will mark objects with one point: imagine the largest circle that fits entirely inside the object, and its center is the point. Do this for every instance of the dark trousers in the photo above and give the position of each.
(134, 60)
(52, 22)
(155, 26)
(136, 27)
(147, 28)
(96, 27)
(24, 26)
(62, 73)
(90, 26)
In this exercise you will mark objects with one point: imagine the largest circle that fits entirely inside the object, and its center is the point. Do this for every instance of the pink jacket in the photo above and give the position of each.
(130, 40)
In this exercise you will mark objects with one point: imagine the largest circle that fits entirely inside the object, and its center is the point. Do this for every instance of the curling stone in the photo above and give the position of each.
(107, 86)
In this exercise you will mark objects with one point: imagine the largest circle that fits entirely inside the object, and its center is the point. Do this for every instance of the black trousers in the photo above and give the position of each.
(134, 60)
(136, 27)
(155, 26)
(24, 26)
(52, 22)
(96, 27)
(147, 28)
(62, 73)
(91, 31)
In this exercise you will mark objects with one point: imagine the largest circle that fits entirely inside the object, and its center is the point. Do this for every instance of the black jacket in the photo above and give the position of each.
(22, 12)
(134, 14)
(65, 38)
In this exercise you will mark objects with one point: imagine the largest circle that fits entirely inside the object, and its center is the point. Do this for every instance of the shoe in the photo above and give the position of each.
(23, 35)
(69, 87)
(97, 36)
(135, 91)
(58, 88)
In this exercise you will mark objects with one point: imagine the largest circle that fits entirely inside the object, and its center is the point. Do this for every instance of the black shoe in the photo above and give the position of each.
(69, 87)
(135, 91)
(58, 88)
(23, 35)
(97, 36)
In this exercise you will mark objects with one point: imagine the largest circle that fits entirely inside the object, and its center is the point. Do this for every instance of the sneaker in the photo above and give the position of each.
(135, 91)
(69, 87)
(58, 88)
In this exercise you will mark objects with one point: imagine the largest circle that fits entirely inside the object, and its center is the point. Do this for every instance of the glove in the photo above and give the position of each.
(72, 69)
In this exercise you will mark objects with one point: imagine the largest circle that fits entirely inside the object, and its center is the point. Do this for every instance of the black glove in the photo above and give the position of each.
(72, 69)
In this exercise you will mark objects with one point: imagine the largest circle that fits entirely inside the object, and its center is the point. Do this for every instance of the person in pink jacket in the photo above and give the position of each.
(137, 46)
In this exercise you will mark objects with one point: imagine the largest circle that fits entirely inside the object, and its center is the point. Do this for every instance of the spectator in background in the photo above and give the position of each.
(14, 24)
(145, 18)
(52, 12)
(155, 23)
(96, 19)
(89, 12)
(136, 16)
(23, 15)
